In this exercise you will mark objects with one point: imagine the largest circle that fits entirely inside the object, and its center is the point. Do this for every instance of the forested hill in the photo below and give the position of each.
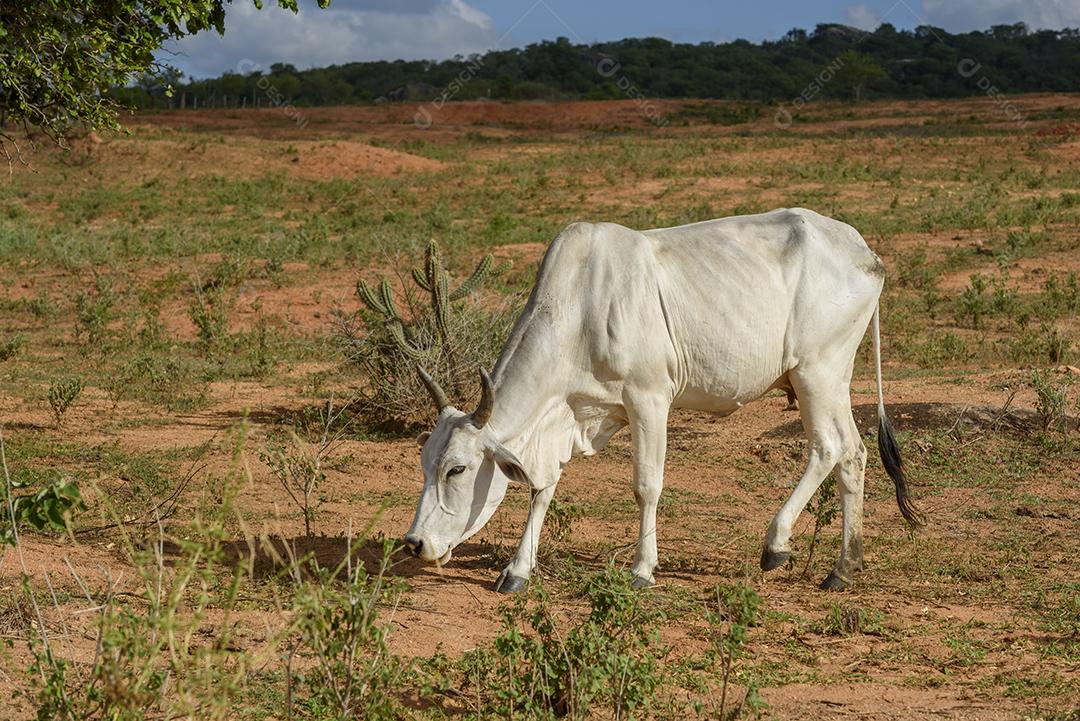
(831, 61)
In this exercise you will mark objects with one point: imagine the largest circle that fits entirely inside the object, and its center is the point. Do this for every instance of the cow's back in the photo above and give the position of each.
(752, 296)
(714, 312)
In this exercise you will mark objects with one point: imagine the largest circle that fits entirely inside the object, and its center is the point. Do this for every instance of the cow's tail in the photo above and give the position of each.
(886, 441)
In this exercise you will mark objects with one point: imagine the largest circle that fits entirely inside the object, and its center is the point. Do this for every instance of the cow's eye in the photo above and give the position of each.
(455, 471)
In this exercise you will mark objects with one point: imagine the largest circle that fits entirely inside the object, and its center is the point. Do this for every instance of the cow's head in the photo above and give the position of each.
(466, 471)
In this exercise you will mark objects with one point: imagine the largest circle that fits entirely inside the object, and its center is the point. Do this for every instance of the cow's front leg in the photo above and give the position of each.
(515, 575)
(648, 427)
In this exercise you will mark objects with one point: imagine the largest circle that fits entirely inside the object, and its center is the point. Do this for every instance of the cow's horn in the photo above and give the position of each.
(482, 413)
(437, 395)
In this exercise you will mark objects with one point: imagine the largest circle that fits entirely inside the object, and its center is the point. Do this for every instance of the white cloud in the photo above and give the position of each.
(348, 31)
(863, 16)
(965, 15)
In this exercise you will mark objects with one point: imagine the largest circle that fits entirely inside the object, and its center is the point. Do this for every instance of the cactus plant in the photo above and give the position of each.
(426, 321)
(383, 304)
(433, 279)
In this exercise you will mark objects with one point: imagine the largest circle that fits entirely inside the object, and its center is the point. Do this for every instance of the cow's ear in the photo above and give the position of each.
(422, 438)
(509, 464)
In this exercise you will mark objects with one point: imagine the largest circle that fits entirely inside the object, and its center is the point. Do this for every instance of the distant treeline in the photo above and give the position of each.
(832, 61)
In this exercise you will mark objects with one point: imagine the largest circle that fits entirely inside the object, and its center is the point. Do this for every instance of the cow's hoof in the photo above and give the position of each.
(509, 584)
(773, 559)
(642, 582)
(834, 582)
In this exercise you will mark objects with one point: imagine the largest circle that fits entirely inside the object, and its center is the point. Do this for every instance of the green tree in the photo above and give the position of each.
(856, 71)
(60, 59)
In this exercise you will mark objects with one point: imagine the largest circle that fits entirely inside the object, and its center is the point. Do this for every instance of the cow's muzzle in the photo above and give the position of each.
(414, 545)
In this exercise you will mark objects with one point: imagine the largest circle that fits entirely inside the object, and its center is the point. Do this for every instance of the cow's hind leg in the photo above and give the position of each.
(850, 474)
(826, 415)
(648, 429)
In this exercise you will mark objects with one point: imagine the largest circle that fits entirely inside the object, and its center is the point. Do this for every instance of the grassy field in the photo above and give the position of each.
(192, 278)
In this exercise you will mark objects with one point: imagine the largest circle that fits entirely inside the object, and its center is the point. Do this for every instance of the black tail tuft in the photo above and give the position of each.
(894, 466)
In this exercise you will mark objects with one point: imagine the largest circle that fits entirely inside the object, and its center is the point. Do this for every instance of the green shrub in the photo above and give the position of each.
(94, 311)
(354, 674)
(11, 347)
(734, 612)
(1059, 297)
(209, 311)
(152, 658)
(737, 604)
(941, 348)
(263, 349)
(1051, 399)
(844, 620)
(973, 303)
(931, 298)
(984, 298)
(62, 395)
(608, 659)
(914, 270)
(560, 518)
(151, 334)
(40, 307)
(824, 506)
(1023, 346)
(156, 379)
(231, 271)
(49, 509)
(1004, 300)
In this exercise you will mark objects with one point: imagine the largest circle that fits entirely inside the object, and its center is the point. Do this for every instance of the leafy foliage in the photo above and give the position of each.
(824, 508)
(49, 509)
(536, 670)
(337, 617)
(59, 60)
(62, 395)
(887, 62)
(846, 620)
(166, 379)
(1051, 399)
(209, 312)
(150, 659)
(11, 347)
(94, 311)
(857, 70)
(735, 611)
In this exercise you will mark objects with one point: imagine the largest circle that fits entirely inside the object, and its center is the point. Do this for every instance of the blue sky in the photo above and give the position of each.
(352, 30)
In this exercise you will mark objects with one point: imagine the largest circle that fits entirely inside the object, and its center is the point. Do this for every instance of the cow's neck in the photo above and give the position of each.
(524, 408)
(543, 444)
(523, 373)
(530, 415)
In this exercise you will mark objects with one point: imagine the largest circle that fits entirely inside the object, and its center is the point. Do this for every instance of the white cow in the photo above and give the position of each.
(623, 326)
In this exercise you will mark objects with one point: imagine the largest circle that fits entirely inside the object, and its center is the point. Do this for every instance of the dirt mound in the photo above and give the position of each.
(143, 158)
(349, 159)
